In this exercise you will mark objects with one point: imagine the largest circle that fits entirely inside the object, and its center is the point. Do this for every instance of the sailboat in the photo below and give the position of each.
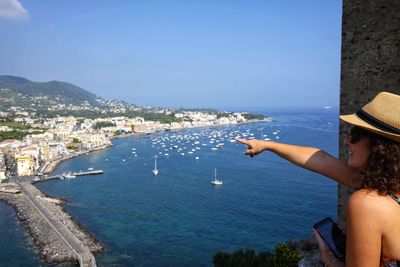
(155, 171)
(216, 181)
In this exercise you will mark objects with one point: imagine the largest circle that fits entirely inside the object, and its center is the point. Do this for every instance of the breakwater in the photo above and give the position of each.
(56, 235)
(58, 238)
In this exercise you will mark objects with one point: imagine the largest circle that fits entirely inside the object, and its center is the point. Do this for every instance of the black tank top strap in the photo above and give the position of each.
(396, 198)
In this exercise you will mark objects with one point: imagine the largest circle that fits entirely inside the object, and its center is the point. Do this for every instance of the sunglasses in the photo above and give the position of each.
(356, 134)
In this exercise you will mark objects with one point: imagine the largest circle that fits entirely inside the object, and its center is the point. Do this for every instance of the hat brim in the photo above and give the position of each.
(354, 120)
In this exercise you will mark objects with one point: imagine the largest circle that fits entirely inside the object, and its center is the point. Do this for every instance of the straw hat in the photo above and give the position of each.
(381, 116)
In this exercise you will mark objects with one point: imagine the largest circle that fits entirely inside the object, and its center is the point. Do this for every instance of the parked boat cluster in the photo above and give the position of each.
(210, 139)
(194, 144)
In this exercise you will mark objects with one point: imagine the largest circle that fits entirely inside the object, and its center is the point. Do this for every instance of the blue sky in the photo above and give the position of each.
(215, 54)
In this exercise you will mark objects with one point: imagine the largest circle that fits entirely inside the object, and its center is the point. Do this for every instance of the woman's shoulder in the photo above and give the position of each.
(370, 202)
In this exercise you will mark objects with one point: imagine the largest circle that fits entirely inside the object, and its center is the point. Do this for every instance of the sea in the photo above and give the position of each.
(178, 218)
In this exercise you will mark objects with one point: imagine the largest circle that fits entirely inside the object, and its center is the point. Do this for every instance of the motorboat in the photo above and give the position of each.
(69, 175)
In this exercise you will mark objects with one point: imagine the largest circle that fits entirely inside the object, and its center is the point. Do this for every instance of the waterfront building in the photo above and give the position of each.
(52, 150)
(92, 140)
(34, 152)
(147, 126)
(135, 121)
(25, 164)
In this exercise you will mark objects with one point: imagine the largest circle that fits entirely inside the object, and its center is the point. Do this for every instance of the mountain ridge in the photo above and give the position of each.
(69, 92)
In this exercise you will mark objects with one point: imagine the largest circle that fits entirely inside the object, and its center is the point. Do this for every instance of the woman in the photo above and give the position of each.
(373, 169)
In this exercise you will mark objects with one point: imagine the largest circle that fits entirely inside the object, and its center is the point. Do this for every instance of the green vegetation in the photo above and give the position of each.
(64, 92)
(14, 125)
(18, 130)
(249, 116)
(161, 117)
(285, 255)
(223, 114)
(103, 124)
(14, 134)
(119, 132)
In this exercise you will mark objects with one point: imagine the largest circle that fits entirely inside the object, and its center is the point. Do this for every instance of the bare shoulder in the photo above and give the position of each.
(369, 203)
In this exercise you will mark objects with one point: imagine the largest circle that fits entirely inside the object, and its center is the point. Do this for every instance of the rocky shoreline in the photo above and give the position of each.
(49, 245)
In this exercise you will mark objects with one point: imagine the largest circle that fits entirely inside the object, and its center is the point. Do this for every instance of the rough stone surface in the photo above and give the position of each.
(48, 244)
(370, 62)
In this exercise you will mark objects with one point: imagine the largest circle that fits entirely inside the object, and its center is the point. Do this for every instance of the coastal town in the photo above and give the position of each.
(63, 136)
(39, 132)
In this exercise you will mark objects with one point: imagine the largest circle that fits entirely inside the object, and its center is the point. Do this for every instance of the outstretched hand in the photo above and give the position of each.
(254, 146)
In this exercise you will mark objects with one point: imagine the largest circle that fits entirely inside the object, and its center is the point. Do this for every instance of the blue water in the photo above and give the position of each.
(178, 218)
(16, 248)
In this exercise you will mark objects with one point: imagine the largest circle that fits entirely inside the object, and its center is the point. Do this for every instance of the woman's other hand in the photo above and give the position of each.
(326, 254)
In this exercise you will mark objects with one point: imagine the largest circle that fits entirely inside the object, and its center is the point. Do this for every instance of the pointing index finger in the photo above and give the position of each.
(242, 141)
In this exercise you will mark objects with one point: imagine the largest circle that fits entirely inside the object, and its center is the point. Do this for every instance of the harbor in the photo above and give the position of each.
(55, 234)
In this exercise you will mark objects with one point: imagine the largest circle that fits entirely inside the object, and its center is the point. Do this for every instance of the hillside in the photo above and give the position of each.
(62, 92)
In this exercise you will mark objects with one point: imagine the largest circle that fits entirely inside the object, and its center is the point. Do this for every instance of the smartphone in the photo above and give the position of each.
(333, 236)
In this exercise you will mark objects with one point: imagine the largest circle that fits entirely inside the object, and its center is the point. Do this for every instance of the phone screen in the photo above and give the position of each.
(333, 236)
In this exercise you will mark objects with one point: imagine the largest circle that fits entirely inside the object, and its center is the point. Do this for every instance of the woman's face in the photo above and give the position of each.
(358, 152)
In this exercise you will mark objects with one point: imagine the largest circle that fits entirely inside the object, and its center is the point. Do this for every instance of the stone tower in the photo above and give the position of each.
(370, 62)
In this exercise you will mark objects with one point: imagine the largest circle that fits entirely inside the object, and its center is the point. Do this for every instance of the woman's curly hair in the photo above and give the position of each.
(382, 171)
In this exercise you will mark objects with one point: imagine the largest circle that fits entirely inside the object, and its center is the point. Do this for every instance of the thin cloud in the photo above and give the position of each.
(12, 9)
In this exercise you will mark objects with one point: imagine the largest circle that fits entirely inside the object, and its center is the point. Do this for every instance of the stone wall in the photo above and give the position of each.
(370, 61)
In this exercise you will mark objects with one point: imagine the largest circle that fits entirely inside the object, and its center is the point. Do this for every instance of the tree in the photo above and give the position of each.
(284, 256)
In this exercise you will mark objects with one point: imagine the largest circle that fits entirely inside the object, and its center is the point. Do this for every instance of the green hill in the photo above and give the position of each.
(64, 92)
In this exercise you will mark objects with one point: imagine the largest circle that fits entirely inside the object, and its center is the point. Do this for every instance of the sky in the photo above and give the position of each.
(180, 53)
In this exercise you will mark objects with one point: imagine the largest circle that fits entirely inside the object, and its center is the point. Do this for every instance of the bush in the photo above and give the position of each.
(249, 116)
(285, 256)
(103, 124)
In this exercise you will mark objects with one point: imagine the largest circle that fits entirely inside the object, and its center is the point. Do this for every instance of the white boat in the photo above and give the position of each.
(216, 181)
(155, 171)
(69, 175)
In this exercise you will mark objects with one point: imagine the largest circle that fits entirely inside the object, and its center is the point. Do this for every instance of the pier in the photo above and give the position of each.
(81, 252)
(81, 173)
